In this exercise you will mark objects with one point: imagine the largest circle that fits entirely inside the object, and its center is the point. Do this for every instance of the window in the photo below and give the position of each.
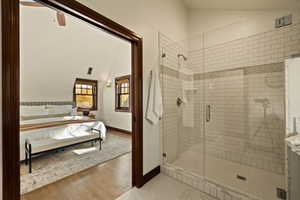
(85, 94)
(122, 87)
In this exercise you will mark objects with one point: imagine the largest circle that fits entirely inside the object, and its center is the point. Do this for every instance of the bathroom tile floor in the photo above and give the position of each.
(163, 187)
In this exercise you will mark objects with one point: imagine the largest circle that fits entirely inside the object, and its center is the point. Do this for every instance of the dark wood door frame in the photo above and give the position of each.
(11, 88)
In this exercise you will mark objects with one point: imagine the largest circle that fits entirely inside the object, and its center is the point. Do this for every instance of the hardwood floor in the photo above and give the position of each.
(103, 182)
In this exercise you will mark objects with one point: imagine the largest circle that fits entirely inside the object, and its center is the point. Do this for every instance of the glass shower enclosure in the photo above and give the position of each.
(224, 112)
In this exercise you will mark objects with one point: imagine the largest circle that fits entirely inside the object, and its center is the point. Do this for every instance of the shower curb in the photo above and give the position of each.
(206, 186)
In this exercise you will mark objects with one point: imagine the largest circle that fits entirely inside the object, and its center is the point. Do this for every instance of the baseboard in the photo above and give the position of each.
(150, 175)
(118, 129)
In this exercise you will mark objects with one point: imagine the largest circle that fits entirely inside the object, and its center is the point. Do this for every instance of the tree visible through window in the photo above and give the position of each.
(85, 94)
(122, 87)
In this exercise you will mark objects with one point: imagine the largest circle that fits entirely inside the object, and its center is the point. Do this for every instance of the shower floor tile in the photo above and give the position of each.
(163, 187)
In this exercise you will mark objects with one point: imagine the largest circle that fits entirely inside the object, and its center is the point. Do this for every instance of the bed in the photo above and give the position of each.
(45, 131)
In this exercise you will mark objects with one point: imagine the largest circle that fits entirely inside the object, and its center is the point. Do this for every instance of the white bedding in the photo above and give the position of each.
(46, 138)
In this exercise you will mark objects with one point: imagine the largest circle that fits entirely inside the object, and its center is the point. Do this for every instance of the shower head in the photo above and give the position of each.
(183, 56)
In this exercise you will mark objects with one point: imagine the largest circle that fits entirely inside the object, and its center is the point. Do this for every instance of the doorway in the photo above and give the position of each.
(11, 88)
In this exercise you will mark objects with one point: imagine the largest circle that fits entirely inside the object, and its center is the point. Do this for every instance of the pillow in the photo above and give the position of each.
(26, 111)
(57, 110)
(74, 111)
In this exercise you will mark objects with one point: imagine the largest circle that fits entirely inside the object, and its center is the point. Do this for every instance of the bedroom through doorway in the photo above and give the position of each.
(75, 106)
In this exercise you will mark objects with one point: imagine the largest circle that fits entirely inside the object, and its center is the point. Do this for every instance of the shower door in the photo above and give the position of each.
(244, 106)
(224, 127)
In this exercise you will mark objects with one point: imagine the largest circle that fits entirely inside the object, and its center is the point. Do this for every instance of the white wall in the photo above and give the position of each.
(112, 118)
(292, 94)
(221, 26)
(52, 57)
(147, 18)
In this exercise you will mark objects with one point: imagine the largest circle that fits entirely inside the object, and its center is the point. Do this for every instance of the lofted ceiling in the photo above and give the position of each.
(243, 4)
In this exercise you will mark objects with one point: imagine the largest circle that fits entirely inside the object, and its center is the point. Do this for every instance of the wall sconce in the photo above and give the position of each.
(108, 84)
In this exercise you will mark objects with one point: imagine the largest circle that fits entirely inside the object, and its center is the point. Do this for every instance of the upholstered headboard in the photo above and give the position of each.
(33, 110)
(46, 103)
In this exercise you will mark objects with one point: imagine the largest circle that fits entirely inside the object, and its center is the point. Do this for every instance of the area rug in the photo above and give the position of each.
(55, 166)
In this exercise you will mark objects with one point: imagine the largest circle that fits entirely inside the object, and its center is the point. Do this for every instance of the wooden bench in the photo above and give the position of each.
(46, 145)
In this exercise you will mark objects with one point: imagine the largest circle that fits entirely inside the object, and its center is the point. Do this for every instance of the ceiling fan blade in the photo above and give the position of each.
(32, 4)
(61, 19)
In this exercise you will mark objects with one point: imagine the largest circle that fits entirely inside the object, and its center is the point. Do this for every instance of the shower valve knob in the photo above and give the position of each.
(179, 101)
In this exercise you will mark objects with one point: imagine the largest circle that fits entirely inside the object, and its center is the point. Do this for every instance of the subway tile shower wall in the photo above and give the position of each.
(243, 81)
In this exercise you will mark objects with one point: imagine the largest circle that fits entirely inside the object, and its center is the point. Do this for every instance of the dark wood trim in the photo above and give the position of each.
(154, 172)
(95, 97)
(10, 99)
(118, 129)
(123, 77)
(11, 90)
(137, 112)
(117, 109)
(84, 13)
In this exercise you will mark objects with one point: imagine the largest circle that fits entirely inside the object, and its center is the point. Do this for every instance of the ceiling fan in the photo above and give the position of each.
(61, 19)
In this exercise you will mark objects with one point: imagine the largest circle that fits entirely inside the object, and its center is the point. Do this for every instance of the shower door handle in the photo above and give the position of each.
(208, 113)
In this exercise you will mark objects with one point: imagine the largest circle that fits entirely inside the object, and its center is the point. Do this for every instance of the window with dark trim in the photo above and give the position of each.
(85, 94)
(122, 88)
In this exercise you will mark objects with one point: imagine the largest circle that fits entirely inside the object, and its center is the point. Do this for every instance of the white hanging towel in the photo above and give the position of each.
(155, 106)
